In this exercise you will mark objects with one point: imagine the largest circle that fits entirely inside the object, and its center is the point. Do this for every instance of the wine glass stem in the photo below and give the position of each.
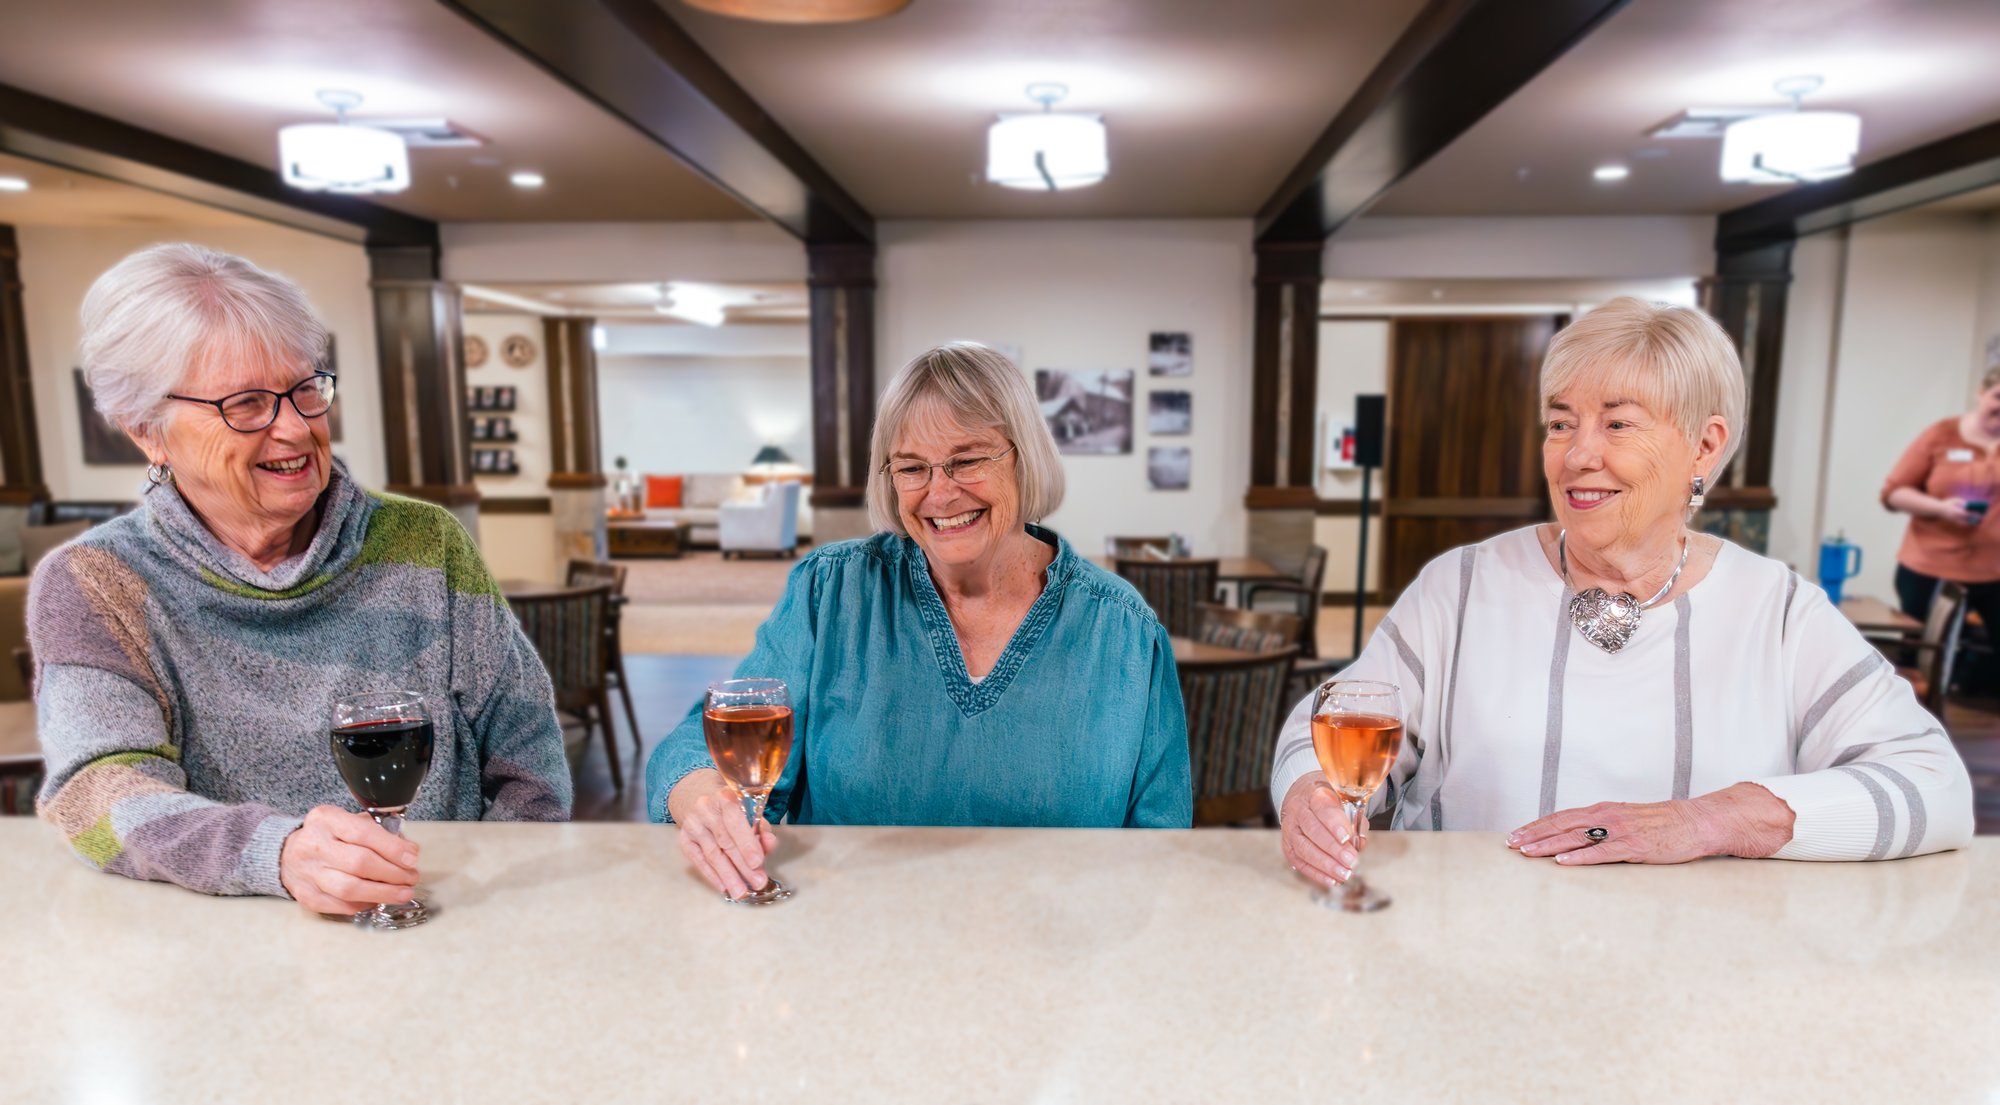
(1356, 813)
(753, 806)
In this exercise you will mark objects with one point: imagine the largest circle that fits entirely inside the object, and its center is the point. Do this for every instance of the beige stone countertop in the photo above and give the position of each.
(583, 963)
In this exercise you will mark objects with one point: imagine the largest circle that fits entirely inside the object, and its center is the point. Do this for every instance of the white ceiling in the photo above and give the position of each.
(1208, 104)
(633, 302)
(226, 74)
(1915, 70)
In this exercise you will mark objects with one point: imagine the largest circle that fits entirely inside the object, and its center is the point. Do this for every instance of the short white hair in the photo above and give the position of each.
(1676, 361)
(150, 319)
(979, 389)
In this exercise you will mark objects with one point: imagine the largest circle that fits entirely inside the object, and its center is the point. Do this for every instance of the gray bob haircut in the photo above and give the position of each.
(980, 389)
(1675, 360)
(153, 316)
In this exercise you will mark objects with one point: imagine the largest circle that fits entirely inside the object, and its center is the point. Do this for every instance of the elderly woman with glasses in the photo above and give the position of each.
(188, 654)
(964, 666)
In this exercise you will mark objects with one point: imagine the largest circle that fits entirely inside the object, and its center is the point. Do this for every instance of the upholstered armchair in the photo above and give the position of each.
(768, 524)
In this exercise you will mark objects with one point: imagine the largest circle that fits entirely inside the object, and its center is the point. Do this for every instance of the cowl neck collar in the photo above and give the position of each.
(343, 521)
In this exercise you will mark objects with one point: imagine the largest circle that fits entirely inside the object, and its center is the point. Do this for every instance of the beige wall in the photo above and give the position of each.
(1353, 360)
(519, 546)
(58, 264)
(531, 403)
(1085, 295)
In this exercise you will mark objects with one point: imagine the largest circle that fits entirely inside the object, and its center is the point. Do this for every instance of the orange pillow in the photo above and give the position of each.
(663, 491)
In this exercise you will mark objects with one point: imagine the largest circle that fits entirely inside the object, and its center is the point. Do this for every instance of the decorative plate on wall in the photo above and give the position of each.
(475, 351)
(518, 350)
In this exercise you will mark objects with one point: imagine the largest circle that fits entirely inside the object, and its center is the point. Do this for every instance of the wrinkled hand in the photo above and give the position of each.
(1742, 820)
(716, 837)
(1314, 833)
(1953, 510)
(341, 862)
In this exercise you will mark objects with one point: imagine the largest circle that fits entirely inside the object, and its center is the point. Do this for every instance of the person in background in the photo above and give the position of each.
(1723, 707)
(964, 666)
(188, 654)
(1945, 482)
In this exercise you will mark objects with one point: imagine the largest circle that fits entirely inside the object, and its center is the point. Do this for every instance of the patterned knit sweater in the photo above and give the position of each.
(184, 695)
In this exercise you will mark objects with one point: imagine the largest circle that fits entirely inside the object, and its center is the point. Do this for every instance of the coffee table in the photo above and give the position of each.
(663, 539)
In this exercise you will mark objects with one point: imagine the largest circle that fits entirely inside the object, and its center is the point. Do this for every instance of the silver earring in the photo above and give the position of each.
(158, 474)
(1699, 494)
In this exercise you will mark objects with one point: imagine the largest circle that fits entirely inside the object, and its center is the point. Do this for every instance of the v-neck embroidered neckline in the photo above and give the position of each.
(976, 698)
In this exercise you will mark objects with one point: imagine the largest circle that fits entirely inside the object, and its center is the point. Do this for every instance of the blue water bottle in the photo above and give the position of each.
(1838, 562)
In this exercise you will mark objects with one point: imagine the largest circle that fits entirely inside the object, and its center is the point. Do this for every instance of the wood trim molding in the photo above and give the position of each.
(1532, 508)
(1741, 498)
(571, 360)
(20, 440)
(1347, 508)
(464, 494)
(578, 481)
(1346, 598)
(1281, 498)
(851, 498)
(539, 505)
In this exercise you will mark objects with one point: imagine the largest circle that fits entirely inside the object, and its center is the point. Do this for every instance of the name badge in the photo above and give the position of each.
(1958, 456)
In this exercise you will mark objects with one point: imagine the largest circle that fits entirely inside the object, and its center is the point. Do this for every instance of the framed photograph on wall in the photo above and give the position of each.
(1169, 467)
(1170, 353)
(1090, 413)
(103, 443)
(1170, 413)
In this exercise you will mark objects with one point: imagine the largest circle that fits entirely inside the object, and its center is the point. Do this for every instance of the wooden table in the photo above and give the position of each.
(586, 963)
(661, 539)
(537, 589)
(1190, 653)
(1872, 615)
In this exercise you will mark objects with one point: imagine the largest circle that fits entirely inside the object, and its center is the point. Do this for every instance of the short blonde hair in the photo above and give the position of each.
(980, 389)
(153, 316)
(1675, 360)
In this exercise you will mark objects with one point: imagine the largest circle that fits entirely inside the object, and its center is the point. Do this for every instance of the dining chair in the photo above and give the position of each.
(567, 629)
(1234, 710)
(1249, 630)
(1173, 588)
(21, 776)
(1935, 649)
(1299, 597)
(584, 573)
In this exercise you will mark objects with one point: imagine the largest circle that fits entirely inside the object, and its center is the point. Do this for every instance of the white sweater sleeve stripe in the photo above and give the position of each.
(1913, 806)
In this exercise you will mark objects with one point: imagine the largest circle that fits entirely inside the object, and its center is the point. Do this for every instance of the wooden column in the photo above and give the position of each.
(1747, 296)
(20, 445)
(1284, 401)
(842, 282)
(419, 335)
(576, 471)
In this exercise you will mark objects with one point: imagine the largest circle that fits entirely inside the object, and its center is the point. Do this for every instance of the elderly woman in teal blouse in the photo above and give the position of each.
(963, 666)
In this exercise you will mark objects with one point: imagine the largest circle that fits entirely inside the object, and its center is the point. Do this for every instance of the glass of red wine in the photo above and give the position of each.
(382, 744)
(748, 723)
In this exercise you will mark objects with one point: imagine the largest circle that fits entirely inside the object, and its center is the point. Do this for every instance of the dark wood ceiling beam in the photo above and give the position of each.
(633, 60)
(45, 130)
(1458, 60)
(1960, 163)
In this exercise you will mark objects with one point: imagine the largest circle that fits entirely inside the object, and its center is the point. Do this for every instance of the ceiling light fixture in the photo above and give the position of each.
(527, 180)
(801, 11)
(1791, 147)
(13, 184)
(1045, 150)
(1611, 174)
(694, 303)
(341, 156)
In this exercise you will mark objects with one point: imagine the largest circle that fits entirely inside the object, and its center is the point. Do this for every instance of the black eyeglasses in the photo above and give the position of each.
(246, 412)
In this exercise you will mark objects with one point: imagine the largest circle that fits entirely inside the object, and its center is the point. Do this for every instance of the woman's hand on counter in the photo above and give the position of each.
(716, 837)
(341, 862)
(1314, 833)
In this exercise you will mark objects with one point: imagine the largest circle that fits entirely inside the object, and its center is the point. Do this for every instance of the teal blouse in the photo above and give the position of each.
(1079, 723)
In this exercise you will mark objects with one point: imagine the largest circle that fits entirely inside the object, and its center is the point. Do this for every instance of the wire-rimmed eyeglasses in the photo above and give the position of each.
(910, 475)
(246, 412)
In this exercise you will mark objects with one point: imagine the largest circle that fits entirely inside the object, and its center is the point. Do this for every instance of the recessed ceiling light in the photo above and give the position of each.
(13, 184)
(526, 180)
(1611, 173)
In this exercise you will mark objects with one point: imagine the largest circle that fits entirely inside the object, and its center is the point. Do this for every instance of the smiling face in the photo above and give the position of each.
(1619, 474)
(956, 524)
(1987, 411)
(243, 485)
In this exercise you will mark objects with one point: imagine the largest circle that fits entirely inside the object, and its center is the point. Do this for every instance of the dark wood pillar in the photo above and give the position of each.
(419, 335)
(1284, 401)
(20, 444)
(576, 470)
(842, 282)
(1747, 296)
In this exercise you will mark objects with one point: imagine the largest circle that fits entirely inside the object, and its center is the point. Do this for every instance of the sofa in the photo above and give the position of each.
(702, 496)
(768, 523)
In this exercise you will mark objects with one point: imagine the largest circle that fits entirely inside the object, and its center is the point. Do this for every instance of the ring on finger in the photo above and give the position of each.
(1597, 834)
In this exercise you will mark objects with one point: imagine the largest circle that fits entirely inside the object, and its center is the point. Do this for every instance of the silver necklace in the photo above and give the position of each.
(1605, 620)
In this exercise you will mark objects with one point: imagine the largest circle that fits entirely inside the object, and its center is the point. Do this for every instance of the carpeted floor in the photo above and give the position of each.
(703, 578)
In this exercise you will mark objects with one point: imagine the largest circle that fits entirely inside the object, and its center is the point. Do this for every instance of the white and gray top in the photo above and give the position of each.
(1751, 675)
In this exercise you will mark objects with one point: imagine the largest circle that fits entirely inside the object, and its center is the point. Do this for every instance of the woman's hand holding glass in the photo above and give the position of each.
(1315, 835)
(716, 837)
(341, 862)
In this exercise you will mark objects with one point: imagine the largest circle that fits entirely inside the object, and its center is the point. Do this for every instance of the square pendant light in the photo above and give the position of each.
(1046, 150)
(343, 157)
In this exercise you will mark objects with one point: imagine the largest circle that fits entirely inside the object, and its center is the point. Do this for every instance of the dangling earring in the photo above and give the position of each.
(158, 474)
(1699, 495)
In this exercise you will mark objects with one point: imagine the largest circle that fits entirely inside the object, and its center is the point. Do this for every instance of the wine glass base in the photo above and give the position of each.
(773, 893)
(1353, 899)
(393, 915)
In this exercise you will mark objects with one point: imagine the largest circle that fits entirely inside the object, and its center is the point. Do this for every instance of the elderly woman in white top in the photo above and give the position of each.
(1614, 687)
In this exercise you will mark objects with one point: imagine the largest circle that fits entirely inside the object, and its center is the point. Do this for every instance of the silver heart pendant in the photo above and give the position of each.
(1607, 621)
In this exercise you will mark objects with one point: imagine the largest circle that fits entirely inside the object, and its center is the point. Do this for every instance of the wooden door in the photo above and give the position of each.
(1465, 436)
